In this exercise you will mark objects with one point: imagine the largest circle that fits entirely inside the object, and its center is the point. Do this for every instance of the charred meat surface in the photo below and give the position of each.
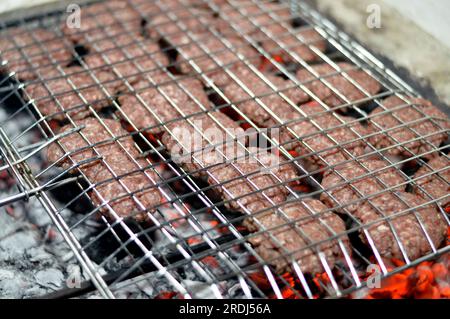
(69, 92)
(286, 232)
(121, 180)
(167, 99)
(338, 82)
(26, 51)
(408, 126)
(434, 180)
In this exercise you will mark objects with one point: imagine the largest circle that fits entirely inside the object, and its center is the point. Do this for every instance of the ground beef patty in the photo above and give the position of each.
(407, 226)
(211, 54)
(132, 60)
(268, 96)
(80, 148)
(176, 90)
(399, 118)
(160, 25)
(337, 81)
(364, 181)
(236, 178)
(112, 17)
(312, 225)
(436, 185)
(267, 31)
(69, 92)
(315, 143)
(28, 50)
(112, 158)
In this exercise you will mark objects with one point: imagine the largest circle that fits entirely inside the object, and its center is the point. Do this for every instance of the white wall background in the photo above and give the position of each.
(431, 15)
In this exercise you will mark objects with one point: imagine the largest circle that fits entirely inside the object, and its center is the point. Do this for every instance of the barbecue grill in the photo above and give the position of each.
(190, 245)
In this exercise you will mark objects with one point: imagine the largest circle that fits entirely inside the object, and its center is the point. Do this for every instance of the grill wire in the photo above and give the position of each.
(225, 240)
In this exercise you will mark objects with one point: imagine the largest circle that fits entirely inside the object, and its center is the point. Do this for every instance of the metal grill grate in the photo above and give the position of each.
(191, 236)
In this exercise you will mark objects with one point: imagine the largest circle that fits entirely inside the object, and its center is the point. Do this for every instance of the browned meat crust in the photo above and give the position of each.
(141, 115)
(401, 119)
(312, 225)
(436, 185)
(29, 50)
(337, 81)
(69, 92)
(111, 167)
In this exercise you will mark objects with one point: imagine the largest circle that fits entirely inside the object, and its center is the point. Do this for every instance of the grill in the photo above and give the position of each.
(192, 244)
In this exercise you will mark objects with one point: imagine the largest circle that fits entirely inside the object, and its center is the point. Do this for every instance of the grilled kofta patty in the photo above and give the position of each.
(318, 147)
(295, 226)
(337, 81)
(367, 199)
(259, 88)
(434, 179)
(268, 31)
(238, 181)
(212, 56)
(160, 25)
(99, 18)
(348, 183)
(87, 134)
(404, 217)
(69, 92)
(129, 58)
(26, 51)
(121, 180)
(399, 122)
(185, 93)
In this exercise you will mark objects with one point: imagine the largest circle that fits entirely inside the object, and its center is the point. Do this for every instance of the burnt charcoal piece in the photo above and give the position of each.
(108, 243)
(407, 123)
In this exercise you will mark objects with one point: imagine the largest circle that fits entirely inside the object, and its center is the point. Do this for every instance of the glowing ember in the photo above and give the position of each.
(426, 281)
(266, 64)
